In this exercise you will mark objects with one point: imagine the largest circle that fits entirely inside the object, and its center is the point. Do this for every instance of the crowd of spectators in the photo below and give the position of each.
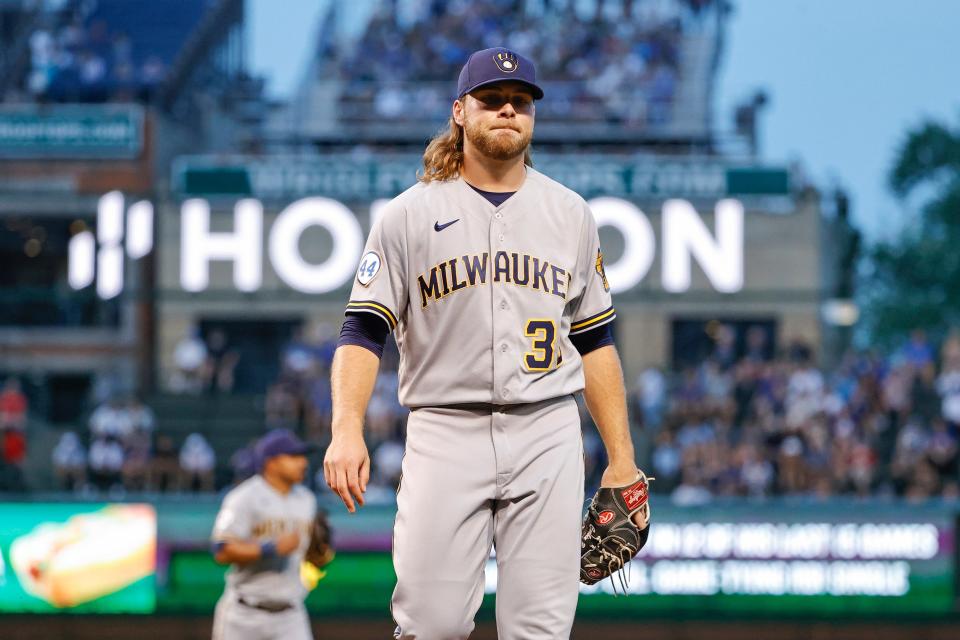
(203, 364)
(13, 442)
(300, 400)
(300, 397)
(612, 61)
(748, 422)
(752, 426)
(127, 453)
(87, 60)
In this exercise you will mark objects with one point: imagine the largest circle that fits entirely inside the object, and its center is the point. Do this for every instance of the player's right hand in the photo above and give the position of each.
(346, 468)
(287, 543)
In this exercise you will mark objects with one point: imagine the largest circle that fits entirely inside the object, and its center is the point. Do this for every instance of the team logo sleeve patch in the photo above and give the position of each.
(601, 271)
(369, 268)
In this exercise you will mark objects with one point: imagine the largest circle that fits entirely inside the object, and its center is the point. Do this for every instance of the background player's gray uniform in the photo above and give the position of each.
(483, 300)
(256, 511)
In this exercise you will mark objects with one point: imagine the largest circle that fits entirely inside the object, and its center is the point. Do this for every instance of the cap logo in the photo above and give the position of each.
(506, 61)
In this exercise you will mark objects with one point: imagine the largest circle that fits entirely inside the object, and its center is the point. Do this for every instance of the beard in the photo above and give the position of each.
(496, 145)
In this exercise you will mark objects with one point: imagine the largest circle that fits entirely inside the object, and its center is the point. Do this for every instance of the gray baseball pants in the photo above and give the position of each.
(476, 476)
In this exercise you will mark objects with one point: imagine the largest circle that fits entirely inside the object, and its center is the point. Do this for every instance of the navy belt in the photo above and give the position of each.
(270, 607)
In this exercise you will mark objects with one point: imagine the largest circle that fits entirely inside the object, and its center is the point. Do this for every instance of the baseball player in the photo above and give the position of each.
(491, 277)
(262, 531)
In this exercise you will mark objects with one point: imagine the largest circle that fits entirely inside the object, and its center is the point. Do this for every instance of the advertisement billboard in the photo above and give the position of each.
(748, 560)
(71, 132)
(82, 558)
(772, 559)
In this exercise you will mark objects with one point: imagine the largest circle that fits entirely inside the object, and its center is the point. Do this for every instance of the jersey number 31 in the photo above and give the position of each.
(544, 347)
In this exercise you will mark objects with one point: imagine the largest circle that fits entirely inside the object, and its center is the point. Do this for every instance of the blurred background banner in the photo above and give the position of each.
(77, 558)
(350, 177)
(853, 560)
(71, 132)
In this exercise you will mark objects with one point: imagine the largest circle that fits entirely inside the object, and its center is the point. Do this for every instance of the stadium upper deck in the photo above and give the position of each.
(614, 72)
(107, 50)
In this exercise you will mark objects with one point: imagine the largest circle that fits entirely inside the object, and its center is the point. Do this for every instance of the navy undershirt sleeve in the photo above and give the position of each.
(365, 330)
(593, 339)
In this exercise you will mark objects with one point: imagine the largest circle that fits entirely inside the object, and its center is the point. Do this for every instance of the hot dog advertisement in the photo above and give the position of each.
(83, 558)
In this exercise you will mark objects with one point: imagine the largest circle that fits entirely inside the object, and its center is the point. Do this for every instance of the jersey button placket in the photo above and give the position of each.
(503, 366)
(502, 328)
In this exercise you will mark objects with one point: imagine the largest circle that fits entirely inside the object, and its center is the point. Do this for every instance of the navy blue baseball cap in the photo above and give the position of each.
(496, 65)
(278, 442)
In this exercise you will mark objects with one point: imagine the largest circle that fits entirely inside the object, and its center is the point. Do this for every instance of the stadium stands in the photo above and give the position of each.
(125, 446)
(641, 67)
(229, 423)
(755, 423)
(107, 50)
(758, 426)
(152, 28)
(747, 425)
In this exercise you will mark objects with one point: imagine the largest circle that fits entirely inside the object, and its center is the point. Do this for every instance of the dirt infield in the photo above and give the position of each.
(197, 628)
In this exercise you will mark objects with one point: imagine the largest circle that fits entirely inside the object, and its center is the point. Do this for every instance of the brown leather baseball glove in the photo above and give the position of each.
(320, 551)
(614, 530)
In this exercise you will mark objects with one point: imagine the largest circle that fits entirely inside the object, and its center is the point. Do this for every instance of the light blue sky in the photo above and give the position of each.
(280, 42)
(846, 78)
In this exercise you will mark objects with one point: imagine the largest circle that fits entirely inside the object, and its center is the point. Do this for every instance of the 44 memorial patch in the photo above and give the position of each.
(369, 268)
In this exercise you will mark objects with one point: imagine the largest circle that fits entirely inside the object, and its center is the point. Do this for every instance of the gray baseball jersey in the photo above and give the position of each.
(256, 511)
(483, 299)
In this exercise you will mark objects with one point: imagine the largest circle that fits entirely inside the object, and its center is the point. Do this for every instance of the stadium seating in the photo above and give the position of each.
(107, 50)
(153, 27)
(647, 73)
(229, 423)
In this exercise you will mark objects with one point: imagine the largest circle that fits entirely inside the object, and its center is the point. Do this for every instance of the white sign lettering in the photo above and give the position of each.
(198, 245)
(684, 238)
(86, 263)
(285, 237)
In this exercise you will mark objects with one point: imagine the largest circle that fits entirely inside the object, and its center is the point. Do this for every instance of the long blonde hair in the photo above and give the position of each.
(443, 156)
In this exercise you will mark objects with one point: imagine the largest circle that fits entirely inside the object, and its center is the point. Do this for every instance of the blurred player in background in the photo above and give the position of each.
(262, 531)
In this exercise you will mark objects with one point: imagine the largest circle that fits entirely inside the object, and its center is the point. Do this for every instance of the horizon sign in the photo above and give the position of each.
(684, 238)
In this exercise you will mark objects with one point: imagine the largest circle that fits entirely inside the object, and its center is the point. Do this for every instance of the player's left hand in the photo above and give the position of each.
(620, 476)
(615, 528)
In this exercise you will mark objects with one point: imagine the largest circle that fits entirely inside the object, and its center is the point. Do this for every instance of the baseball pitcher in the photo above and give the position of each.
(491, 277)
